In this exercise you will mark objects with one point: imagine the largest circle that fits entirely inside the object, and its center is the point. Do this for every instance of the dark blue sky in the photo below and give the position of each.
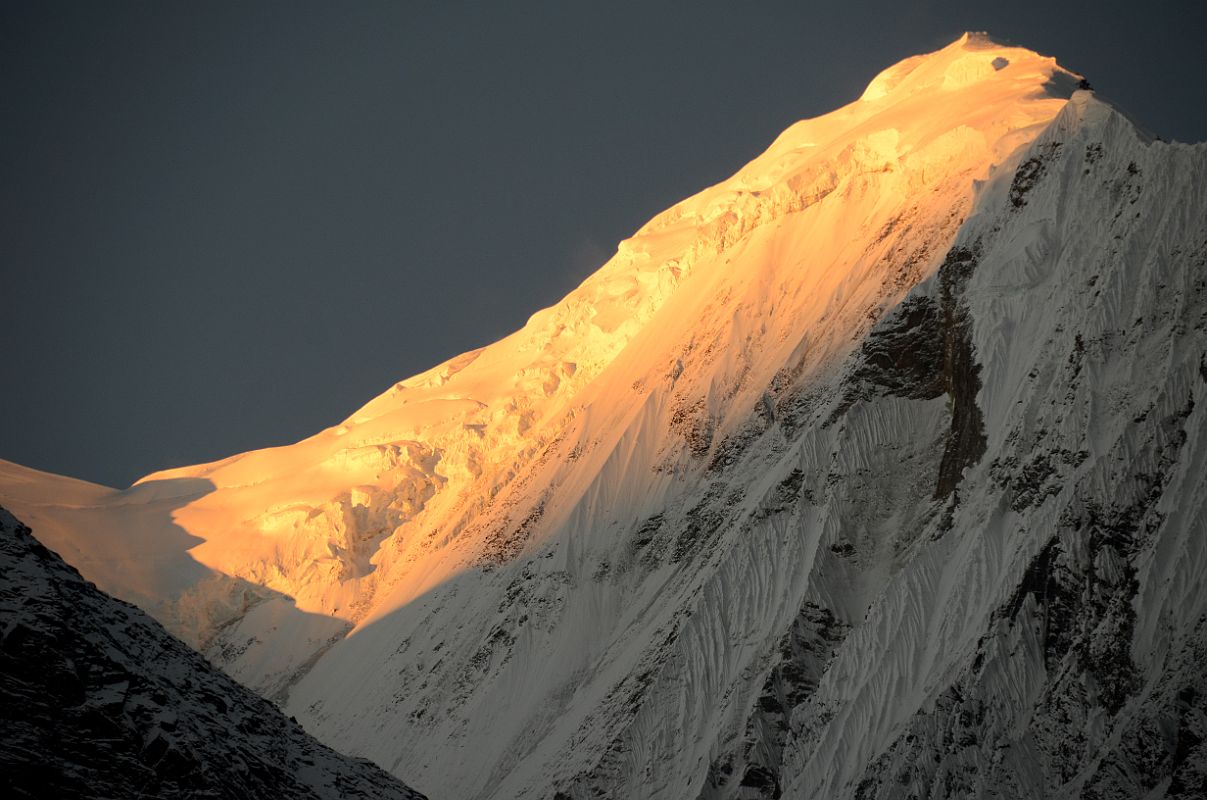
(227, 225)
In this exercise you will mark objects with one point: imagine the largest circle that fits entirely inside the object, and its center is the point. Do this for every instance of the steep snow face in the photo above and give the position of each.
(100, 701)
(783, 264)
(1037, 625)
(758, 506)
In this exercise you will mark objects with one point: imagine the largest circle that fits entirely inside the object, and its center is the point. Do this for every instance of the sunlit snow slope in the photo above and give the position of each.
(874, 470)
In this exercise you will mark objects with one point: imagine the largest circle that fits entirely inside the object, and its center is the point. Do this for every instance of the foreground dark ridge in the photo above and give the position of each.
(98, 700)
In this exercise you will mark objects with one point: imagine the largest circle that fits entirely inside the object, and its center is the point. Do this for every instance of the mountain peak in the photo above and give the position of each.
(974, 60)
(836, 457)
(321, 522)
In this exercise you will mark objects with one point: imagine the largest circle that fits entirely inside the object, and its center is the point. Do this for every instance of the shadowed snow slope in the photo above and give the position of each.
(100, 701)
(875, 470)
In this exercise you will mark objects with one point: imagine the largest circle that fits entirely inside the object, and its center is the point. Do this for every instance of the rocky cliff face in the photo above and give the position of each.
(100, 701)
(876, 470)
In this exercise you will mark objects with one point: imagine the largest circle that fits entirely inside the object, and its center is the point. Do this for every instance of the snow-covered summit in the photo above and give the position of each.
(768, 489)
(438, 454)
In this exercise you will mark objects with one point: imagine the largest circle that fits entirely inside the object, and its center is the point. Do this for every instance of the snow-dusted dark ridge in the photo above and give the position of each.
(877, 470)
(97, 700)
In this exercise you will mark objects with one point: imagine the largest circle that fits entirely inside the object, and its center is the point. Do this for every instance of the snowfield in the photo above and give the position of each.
(877, 470)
